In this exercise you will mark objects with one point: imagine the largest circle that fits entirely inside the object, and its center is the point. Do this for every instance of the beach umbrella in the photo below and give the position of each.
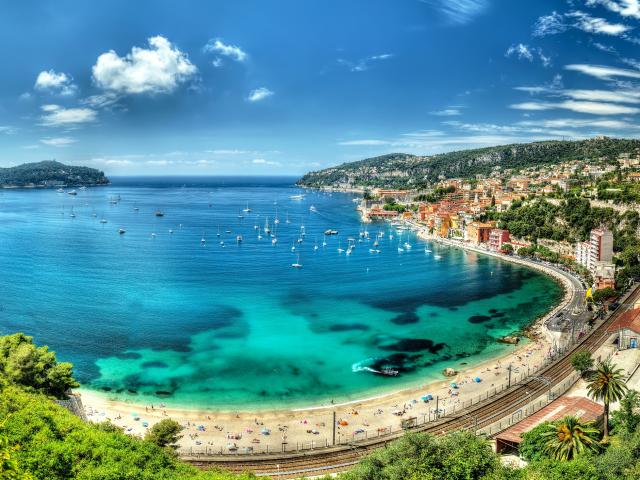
(478, 379)
(265, 431)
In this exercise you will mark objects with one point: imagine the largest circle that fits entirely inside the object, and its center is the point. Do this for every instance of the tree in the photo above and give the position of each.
(533, 446)
(165, 433)
(456, 456)
(627, 418)
(582, 361)
(607, 385)
(603, 294)
(570, 437)
(23, 363)
(507, 248)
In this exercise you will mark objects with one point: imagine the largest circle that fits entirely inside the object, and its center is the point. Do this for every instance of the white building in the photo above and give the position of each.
(583, 253)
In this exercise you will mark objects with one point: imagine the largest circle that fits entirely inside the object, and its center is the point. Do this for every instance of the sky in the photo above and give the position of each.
(279, 87)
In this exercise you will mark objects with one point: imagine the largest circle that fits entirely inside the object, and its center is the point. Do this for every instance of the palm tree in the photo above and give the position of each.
(570, 437)
(606, 384)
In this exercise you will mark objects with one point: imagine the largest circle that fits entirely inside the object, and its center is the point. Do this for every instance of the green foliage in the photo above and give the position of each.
(420, 171)
(9, 467)
(569, 438)
(459, 455)
(582, 361)
(50, 173)
(603, 294)
(607, 385)
(534, 442)
(627, 418)
(56, 445)
(165, 433)
(23, 363)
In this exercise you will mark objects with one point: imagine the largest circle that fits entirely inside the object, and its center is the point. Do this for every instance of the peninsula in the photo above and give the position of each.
(50, 174)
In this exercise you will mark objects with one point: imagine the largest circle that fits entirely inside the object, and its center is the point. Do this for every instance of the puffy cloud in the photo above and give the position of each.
(56, 116)
(58, 83)
(218, 47)
(58, 141)
(161, 68)
(626, 8)
(259, 94)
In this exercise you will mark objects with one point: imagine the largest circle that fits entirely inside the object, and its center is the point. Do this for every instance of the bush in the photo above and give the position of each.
(582, 361)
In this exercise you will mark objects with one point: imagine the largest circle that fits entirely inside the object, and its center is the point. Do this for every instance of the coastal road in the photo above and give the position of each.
(483, 414)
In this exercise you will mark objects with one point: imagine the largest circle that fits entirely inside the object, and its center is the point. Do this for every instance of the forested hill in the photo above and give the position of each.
(403, 170)
(50, 174)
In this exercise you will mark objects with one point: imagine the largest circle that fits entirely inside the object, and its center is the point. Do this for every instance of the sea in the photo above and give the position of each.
(145, 287)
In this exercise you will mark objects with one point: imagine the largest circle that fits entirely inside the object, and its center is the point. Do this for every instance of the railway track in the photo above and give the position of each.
(483, 414)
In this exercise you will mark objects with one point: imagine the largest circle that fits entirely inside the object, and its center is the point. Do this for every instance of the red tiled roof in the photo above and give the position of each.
(584, 408)
(629, 319)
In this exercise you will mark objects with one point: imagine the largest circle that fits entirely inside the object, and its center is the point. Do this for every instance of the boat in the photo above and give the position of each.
(158, 213)
(121, 231)
(296, 197)
(297, 264)
(375, 244)
(239, 239)
(287, 219)
(426, 250)
(72, 215)
(259, 237)
(267, 229)
(400, 249)
(83, 188)
(171, 231)
(437, 257)
(72, 192)
(313, 209)
(247, 210)
(218, 234)
(153, 235)
(103, 220)
(331, 232)
(274, 241)
(389, 372)
(60, 190)
(293, 248)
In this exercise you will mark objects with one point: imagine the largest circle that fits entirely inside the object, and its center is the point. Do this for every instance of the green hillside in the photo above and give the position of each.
(50, 173)
(399, 170)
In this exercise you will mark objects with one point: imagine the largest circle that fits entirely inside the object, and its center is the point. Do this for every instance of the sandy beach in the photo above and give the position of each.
(231, 431)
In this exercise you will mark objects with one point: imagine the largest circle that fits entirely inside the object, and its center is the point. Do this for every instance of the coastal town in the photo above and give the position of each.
(468, 211)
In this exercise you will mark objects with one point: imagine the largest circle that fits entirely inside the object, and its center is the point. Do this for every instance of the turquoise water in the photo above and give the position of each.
(167, 317)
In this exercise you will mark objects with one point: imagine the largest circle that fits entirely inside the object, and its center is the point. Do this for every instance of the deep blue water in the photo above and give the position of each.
(168, 316)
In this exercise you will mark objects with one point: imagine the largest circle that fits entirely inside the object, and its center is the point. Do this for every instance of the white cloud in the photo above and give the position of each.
(614, 96)
(262, 161)
(446, 112)
(589, 24)
(604, 123)
(604, 48)
(6, 129)
(161, 68)
(259, 94)
(626, 8)
(594, 108)
(524, 52)
(459, 11)
(103, 100)
(557, 23)
(56, 116)
(58, 141)
(218, 47)
(53, 82)
(364, 64)
(602, 71)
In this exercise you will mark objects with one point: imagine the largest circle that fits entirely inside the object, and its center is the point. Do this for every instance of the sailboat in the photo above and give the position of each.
(72, 215)
(315, 246)
(297, 264)
(218, 234)
(203, 240)
(340, 249)
(267, 229)
(247, 210)
(276, 220)
(287, 219)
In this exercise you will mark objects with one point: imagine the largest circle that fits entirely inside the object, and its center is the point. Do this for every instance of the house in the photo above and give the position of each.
(478, 232)
(497, 238)
(627, 326)
(587, 410)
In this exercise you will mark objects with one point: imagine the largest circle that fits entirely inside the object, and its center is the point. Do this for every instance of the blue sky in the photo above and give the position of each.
(287, 86)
